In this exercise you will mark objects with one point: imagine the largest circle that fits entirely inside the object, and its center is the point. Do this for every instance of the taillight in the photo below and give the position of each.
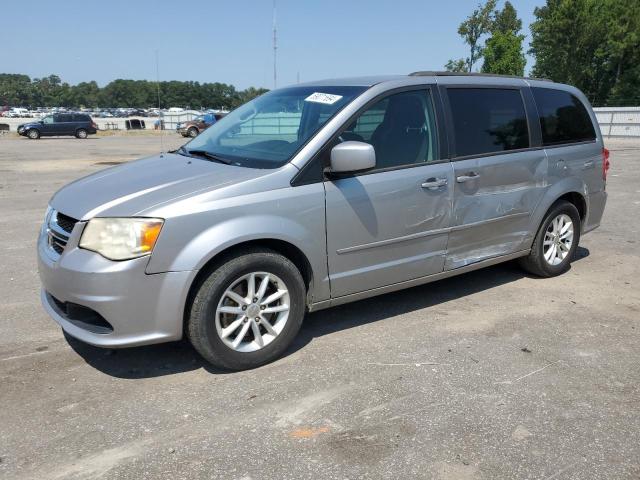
(605, 163)
(94, 125)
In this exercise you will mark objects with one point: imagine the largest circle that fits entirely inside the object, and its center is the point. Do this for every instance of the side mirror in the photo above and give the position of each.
(350, 157)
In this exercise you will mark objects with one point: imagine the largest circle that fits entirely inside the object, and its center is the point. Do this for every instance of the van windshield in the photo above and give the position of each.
(267, 131)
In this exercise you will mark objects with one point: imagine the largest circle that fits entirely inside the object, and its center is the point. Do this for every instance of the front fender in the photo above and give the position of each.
(222, 236)
(292, 215)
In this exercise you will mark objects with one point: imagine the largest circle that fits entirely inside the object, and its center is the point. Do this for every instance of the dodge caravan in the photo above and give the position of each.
(316, 195)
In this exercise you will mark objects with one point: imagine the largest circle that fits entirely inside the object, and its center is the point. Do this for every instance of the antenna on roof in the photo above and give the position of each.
(275, 47)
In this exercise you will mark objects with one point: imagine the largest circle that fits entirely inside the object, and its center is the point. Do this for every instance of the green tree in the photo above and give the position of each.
(15, 90)
(51, 91)
(503, 52)
(592, 44)
(506, 20)
(477, 25)
(457, 66)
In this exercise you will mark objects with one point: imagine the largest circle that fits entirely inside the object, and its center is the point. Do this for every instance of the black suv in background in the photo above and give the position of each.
(78, 124)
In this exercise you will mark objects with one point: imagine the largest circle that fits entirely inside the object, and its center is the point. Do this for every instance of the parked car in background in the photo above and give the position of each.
(373, 185)
(17, 112)
(79, 125)
(193, 128)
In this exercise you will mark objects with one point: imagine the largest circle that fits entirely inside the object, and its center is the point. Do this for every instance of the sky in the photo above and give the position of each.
(231, 41)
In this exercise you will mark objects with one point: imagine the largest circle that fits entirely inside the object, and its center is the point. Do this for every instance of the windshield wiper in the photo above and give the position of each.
(207, 155)
(180, 151)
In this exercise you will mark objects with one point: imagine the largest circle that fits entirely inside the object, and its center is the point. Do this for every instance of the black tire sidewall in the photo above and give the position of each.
(78, 135)
(210, 345)
(191, 131)
(559, 209)
(37, 136)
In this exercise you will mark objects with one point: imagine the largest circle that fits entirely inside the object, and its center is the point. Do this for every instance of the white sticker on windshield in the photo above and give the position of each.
(326, 98)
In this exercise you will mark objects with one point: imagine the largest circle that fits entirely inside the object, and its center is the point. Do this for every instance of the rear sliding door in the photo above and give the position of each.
(499, 177)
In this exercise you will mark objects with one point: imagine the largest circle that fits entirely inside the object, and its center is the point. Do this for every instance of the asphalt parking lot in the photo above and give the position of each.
(489, 375)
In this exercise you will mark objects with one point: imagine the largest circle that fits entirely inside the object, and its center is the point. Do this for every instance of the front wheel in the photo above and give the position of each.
(192, 132)
(248, 311)
(33, 134)
(556, 241)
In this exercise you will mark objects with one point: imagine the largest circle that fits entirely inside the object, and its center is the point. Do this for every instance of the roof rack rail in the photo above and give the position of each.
(435, 73)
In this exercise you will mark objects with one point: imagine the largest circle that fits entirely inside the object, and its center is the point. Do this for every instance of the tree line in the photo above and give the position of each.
(591, 44)
(51, 91)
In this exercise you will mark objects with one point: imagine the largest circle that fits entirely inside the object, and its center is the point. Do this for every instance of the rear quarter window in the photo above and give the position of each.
(488, 120)
(563, 117)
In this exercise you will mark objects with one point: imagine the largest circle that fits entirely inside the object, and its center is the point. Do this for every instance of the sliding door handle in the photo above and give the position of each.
(469, 176)
(433, 183)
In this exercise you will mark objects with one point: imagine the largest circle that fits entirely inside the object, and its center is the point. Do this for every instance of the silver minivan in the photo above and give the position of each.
(316, 195)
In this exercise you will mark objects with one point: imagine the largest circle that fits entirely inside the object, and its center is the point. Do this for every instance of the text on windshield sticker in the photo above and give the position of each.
(326, 98)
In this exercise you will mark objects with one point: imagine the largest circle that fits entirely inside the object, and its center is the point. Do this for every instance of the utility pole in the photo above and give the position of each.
(275, 47)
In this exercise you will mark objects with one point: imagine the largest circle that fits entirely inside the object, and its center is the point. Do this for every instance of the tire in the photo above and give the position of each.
(33, 134)
(192, 132)
(539, 264)
(82, 133)
(206, 324)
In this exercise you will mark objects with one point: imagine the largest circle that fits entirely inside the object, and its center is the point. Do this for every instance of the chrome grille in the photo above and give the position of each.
(59, 228)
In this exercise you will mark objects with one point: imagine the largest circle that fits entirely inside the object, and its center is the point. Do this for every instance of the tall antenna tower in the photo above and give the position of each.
(275, 47)
(159, 104)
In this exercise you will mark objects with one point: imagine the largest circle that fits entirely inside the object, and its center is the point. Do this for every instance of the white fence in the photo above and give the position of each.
(621, 122)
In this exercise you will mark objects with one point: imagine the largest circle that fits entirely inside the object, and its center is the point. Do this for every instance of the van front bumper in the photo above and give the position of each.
(111, 304)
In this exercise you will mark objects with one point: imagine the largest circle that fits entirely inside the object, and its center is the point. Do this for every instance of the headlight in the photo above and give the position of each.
(121, 238)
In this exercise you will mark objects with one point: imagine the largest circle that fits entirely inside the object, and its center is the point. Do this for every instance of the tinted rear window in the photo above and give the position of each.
(488, 120)
(80, 118)
(563, 118)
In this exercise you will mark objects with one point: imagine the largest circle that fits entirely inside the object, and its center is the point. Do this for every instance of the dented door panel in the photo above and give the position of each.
(491, 210)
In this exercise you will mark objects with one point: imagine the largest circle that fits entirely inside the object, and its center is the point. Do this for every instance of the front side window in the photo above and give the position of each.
(267, 131)
(488, 120)
(563, 118)
(48, 120)
(401, 128)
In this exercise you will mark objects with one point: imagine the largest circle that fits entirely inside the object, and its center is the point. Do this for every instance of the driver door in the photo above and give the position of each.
(48, 125)
(390, 224)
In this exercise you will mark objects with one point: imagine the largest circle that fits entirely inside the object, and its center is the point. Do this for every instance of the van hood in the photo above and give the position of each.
(130, 189)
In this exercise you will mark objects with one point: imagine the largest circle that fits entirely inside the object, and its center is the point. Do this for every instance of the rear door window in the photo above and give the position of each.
(563, 118)
(488, 120)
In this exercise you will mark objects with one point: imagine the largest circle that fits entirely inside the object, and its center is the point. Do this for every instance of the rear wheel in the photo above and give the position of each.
(556, 241)
(192, 132)
(81, 133)
(248, 311)
(33, 134)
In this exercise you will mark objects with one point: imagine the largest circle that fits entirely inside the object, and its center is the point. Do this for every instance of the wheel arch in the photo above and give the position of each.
(573, 191)
(284, 248)
(578, 200)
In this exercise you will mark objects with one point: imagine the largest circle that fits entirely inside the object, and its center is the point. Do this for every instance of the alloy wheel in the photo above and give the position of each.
(252, 311)
(558, 239)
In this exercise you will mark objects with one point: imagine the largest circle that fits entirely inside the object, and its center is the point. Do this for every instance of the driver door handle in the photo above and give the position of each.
(433, 183)
(469, 176)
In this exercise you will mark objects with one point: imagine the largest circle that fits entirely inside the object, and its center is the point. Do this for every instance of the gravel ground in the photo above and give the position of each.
(489, 375)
